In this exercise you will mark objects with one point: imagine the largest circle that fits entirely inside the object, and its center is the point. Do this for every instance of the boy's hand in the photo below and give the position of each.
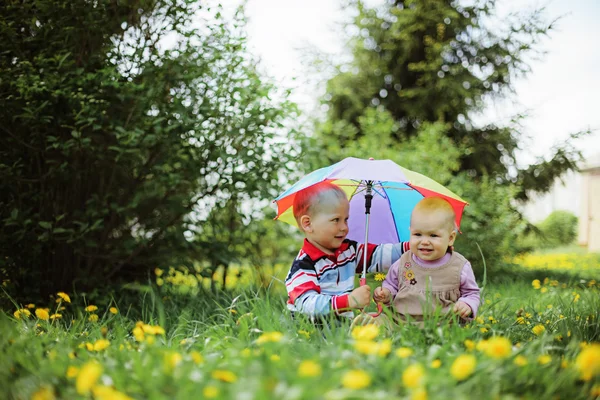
(360, 297)
(382, 295)
(462, 309)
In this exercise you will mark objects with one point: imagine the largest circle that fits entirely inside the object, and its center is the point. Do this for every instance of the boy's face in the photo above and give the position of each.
(328, 227)
(430, 235)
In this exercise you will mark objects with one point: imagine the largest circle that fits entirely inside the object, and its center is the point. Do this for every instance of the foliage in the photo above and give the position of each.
(531, 339)
(123, 125)
(560, 228)
(439, 61)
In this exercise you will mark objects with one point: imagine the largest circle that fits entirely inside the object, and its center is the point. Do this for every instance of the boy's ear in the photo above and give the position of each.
(305, 223)
(452, 237)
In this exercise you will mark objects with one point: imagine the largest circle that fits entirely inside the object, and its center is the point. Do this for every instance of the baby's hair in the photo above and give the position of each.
(313, 199)
(437, 204)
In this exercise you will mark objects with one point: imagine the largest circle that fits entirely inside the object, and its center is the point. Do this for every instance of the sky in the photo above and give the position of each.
(560, 95)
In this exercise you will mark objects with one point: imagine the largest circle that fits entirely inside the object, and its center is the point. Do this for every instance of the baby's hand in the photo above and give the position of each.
(360, 297)
(462, 309)
(382, 295)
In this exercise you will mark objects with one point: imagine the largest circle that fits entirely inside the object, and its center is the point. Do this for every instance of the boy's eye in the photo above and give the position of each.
(335, 219)
(434, 235)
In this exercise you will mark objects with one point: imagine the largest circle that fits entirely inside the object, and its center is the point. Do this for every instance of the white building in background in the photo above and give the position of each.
(578, 193)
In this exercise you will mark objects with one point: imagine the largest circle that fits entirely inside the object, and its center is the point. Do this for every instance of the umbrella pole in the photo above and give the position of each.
(368, 198)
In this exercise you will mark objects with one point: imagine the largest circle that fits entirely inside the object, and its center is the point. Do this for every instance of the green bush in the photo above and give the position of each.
(559, 228)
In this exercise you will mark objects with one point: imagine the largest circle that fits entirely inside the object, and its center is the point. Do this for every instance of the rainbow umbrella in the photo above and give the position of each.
(389, 189)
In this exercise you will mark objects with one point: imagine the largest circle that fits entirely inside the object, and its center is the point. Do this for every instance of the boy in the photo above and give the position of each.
(431, 272)
(321, 280)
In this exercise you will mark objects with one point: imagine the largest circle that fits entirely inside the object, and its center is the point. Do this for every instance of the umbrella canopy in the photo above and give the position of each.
(396, 190)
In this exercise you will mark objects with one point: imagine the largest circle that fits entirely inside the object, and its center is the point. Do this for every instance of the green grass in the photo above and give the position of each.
(240, 358)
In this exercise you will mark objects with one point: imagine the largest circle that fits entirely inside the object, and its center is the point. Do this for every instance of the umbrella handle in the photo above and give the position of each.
(363, 282)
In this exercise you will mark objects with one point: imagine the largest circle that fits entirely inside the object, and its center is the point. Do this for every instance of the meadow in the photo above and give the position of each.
(536, 336)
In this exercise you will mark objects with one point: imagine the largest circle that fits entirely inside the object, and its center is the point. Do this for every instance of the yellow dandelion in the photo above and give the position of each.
(138, 334)
(89, 346)
(210, 392)
(564, 364)
(588, 362)
(267, 337)
(379, 277)
(435, 364)
(113, 310)
(101, 344)
(304, 333)
(93, 318)
(536, 284)
(30, 305)
(42, 314)
(498, 347)
(23, 312)
(72, 372)
(521, 321)
(43, 393)
(544, 359)
(91, 308)
(158, 271)
(480, 320)
(413, 376)
(520, 361)
(483, 329)
(418, 394)
(65, 297)
(469, 344)
(171, 360)
(224, 376)
(56, 316)
(102, 392)
(543, 290)
(463, 366)
(309, 369)
(538, 330)
(87, 377)
(356, 379)
(196, 357)
(366, 332)
(404, 352)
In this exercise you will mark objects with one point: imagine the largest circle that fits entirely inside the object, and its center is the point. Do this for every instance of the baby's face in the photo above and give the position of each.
(329, 226)
(430, 235)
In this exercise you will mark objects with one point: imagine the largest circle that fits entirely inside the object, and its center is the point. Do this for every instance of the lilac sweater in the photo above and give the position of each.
(469, 291)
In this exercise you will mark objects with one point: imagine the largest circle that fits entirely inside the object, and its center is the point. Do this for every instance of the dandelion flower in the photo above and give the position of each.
(309, 369)
(93, 317)
(413, 376)
(356, 379)
(543, 290)
(87, 377)
(267, 337)
(43, 393)
(23, 312)
(595, 391)
(304, 333)
(101, 344)
(72, 372)
(56, 316)
(30, 305)
(419, 394)
(366, 332)
(544, 359)
(498, 347)
(172, 359)
(224, 376)
(588, 362)
(113, 310)
(91, 308)
(197, 357)
(436, 363)
(404, 352)
(65, 297)
(463, 366)
(469, 344)
(379, 277)
(536, 284)
(102, 392)
(210, 392)
(520, 361)
(538, 330)
(42, 314)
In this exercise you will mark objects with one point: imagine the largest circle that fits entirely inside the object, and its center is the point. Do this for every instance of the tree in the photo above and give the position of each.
(438, 61)
(119, 119)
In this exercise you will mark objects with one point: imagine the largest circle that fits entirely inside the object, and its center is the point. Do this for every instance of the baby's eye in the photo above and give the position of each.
(417, 234)
(434, 235)
(335, 220)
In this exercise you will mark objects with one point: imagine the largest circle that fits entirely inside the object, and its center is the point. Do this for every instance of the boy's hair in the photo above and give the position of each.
(310, 201)
(437, 204)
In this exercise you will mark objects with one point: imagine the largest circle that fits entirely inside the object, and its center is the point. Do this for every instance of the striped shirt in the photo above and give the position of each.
(319, 284)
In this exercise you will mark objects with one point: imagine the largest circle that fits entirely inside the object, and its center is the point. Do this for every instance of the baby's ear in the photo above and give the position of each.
(305, 223)
(452, 237)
